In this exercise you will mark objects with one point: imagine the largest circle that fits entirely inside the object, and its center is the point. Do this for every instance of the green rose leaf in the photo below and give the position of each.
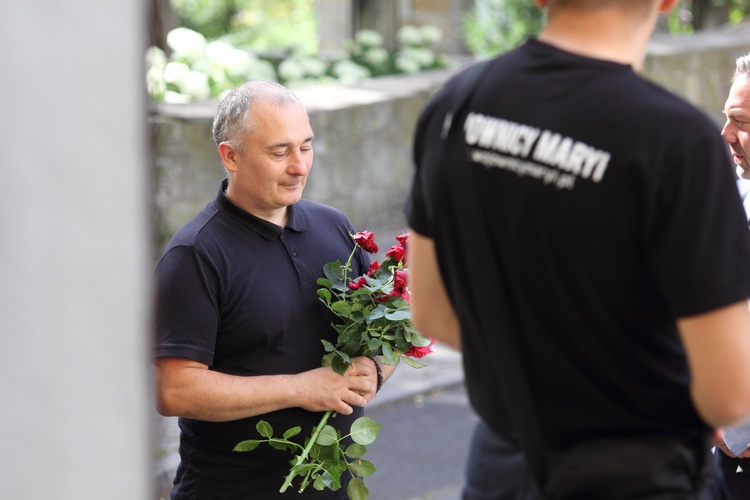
(355, 450)
(388, 357)
(318, 484)
(362, 468)
(279, 444)
(377, 313)
(327, 436)
(264, 429)
(357, 489)
(341, 307)
(338, 364)
(324, 294)
(292, 432)
(248, 445)
(398, 315)
(364, 430)
(413, 362)
(332, 476)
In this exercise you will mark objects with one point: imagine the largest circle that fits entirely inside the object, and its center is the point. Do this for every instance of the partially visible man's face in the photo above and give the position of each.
(736, 131)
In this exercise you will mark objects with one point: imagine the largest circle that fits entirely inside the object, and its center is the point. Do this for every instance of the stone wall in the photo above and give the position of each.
(698, 67)
(363, 133)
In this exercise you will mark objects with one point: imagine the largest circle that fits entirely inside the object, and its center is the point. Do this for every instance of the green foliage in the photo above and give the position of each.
(497, 26)
(261, 24)
(682, 19)
(323, 458)
(199, 68)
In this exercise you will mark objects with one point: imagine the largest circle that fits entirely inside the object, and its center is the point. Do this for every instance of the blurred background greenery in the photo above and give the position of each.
(202, 48)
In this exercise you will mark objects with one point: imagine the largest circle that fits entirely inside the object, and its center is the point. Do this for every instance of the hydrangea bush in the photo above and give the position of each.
(199, 69)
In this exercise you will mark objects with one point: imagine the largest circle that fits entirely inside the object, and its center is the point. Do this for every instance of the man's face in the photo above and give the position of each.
(271, 172)
(736, 131)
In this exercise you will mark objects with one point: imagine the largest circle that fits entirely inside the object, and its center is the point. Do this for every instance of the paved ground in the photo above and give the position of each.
(407, 386)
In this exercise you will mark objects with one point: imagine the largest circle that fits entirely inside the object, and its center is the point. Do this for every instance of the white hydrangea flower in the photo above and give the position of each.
(235, 62)
(187, 44)
(155, 58)
(349, 72)
(369, 38)
(260, 70)
(409, 35)
(221, 53)
(291, 70)
(406, 63)
(313, 66)
(175, 73)
(196, 86)
(376, 56)
(431, 34)
(155, 83)
(220, 79)
(425, 57)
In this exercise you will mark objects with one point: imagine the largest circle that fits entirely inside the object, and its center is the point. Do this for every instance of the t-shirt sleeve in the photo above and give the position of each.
(187, 308)
(698, 243)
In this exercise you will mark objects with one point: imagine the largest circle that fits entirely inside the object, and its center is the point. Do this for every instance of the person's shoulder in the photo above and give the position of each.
(194, 230)
(662, 102)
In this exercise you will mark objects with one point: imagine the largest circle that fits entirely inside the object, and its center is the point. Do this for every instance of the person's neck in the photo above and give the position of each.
(601, 35)
(280, 217)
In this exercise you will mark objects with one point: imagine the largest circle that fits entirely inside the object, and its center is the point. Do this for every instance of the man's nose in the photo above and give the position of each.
(297, 164)
(728, 133)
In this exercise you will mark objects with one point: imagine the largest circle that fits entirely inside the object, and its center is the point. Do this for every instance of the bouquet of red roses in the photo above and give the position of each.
(375, 322)
(374, 309)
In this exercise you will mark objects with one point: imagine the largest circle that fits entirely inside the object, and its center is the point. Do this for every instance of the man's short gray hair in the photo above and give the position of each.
(742, 67)
(232, 123)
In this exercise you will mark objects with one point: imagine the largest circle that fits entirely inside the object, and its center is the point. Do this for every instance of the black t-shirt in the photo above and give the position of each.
(239, 294)
(612, 211)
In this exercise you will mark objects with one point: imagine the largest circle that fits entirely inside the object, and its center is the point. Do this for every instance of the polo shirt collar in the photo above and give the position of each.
(297, 220)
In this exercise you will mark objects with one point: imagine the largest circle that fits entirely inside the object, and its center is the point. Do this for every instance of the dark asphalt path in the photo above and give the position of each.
(421, 450)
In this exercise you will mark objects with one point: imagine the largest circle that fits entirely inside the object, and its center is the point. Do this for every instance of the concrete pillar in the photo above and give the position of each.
(74, 252)
(334, 24)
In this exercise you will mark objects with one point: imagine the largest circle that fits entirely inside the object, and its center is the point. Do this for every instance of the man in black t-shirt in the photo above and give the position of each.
(614, 219)
(239, 322)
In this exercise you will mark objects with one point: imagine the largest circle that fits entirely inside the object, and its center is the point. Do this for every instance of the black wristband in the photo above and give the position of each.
(380, 374)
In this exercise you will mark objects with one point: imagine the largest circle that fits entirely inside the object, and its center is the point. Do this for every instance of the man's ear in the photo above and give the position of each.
(228, 155)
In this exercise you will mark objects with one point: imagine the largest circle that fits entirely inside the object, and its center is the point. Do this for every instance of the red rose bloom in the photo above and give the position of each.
(374, 267)
(420, 352)
(397, 253)
(403, 239)
(399, 283)
(366, 240)
(356, 285)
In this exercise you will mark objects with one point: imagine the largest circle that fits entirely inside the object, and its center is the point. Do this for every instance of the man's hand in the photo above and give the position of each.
(323, 389)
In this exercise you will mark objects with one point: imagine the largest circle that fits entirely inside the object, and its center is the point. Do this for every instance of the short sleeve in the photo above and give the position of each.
(187, 307)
